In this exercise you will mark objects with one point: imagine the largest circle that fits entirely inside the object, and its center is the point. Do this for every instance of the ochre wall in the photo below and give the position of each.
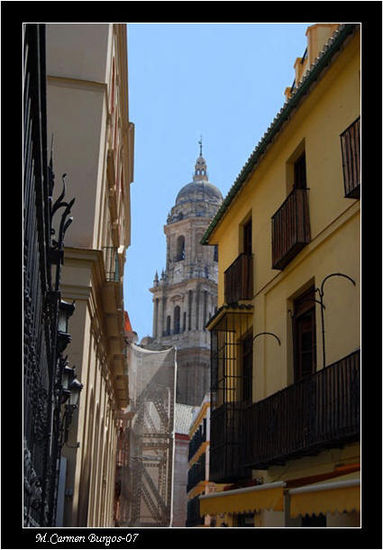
(328, 110)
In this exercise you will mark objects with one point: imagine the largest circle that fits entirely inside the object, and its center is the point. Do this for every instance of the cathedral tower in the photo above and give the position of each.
(185, 295)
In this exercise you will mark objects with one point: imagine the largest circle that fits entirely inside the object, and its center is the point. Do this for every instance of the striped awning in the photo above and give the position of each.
(338, 496)
(268, 496)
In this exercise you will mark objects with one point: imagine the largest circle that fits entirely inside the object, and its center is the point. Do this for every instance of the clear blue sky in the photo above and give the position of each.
(225, 82)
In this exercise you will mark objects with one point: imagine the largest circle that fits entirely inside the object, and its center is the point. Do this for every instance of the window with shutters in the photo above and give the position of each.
(290, 225)
(304, 335)
(350, 144)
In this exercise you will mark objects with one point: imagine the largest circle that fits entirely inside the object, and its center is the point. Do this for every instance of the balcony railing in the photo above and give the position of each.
(239, 279)
(290, 228)
(350, 142)
(196, 473)
(111, 264)
(318, 412)
(197, 440)
(226, 444)
(193, 518)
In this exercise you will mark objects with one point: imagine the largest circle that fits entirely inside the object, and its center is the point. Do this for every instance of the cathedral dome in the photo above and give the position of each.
(199, 191)
(199, 198)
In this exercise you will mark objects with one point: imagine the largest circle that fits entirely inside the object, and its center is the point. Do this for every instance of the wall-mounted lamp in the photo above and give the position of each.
(269, 333)
(64, 313)
(71, 389)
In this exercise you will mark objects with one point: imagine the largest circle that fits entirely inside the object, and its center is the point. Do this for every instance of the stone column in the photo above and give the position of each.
(197, 322)
(155, 316)
(160, 317)
(190, 310)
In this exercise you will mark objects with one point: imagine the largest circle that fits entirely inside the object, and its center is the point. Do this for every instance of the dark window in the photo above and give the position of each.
(184, 324)
(247, 230)
(314, 521)
(168, 325)
(216, 252)
(300, 172)
(304, 335)
(190, 302)
(247, 368)
(244, 520)
(177, 315)
(180, 254)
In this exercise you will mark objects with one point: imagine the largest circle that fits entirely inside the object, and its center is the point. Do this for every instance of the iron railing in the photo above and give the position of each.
(239, 279)
(43, 257)
(40, 314)
(197, 440)
(112, 274)
(193, 518)
(318, 412)
(350, 143)
(197, 472)
(226, 444)
(290, 228)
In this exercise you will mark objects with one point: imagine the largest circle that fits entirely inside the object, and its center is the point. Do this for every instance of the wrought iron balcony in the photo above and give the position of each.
(197, 440)
(290, 228)
(350, 142)
(226, 444)
(196, 473)
(193, 518)
(318, 412)
(239, 279)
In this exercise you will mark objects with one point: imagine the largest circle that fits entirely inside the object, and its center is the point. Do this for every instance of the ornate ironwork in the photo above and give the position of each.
(41, 293)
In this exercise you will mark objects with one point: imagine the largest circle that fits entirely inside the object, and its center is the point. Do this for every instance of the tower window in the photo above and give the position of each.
(216, 252)
(180, 254)
(177, 315)
(190, 308)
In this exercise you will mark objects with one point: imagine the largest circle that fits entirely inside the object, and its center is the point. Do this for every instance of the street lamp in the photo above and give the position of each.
(75, 389)
(63, 337)
(71, 388)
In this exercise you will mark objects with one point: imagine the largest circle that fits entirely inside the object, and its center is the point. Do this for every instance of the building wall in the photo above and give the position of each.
(93, 144)
(324, 115)
(179, 480)
(332, 104)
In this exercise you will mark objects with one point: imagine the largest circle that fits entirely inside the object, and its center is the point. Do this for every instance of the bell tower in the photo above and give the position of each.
(185, 295)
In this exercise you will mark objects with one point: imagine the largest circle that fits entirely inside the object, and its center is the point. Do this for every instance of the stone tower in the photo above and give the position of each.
(185, 296)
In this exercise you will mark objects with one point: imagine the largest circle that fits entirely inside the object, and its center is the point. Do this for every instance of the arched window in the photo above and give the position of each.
(180, 253)
(177, 315)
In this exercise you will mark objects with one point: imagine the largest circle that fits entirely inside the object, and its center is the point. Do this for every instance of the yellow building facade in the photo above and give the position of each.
(285, 351)
(93, 141)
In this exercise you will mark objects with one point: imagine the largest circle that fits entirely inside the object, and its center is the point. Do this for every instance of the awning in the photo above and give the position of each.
(268, 496)
(338, 496)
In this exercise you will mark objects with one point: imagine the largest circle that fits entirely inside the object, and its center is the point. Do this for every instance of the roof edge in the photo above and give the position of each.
(313, 73)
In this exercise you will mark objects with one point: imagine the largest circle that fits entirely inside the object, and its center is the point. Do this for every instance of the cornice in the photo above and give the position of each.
(76, 83)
